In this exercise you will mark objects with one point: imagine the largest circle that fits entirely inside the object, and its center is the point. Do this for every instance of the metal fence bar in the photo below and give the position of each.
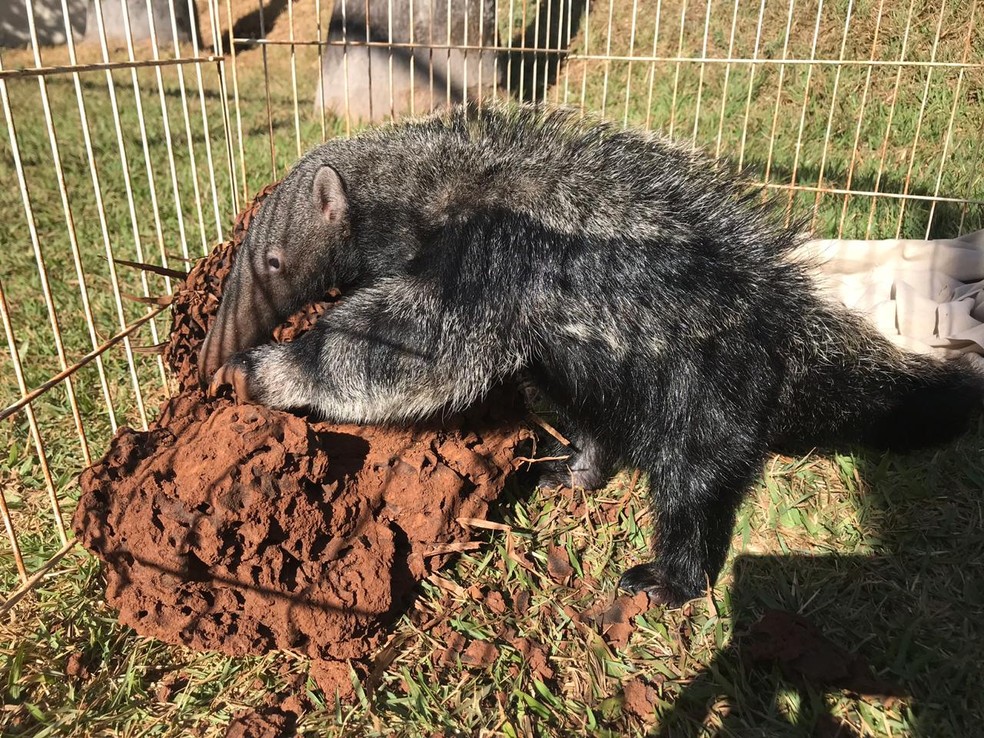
(495, 56)
(447, 55)
(703, 67)
(727, 78)
(345, 70)
(155, 210)
(751, 85)
(47, 71)
(32, 420)
(919, 120)
(482, 30)
(779, 83)
(321, 66)
(830, 113)
(567, 67)
(571, 56)
(587, 46)
(235, 96)
(652, 65)
(904, 64)
(676, 69)
(861, 110)
(464, 63)
(206, 128)
(94, 355)
(873, 194)
(891, 118)
(266, 86)
(544, 93)
(213, 11)
(413, 61)
(8, 526)
(806, 100)
(628, 70)
(31, 582)
(293, 76)
(607, 59)
(948, 138)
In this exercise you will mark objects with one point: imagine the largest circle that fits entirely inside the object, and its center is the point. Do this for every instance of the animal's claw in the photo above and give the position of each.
(234, 375)
(651, 579)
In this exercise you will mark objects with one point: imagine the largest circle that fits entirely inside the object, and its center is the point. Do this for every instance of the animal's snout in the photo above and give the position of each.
(219, 345)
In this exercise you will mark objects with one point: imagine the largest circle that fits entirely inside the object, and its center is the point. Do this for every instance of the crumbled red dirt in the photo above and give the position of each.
(270, 722)
(170, 685)
(241, 529)
(639, 698)
(455, 643)
(615, 620)
(536, 656)
(479, 654)
(495, 602)
(76, 668)
(332, 678)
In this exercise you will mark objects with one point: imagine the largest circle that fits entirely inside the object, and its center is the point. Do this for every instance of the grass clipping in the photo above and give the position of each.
(240, 529)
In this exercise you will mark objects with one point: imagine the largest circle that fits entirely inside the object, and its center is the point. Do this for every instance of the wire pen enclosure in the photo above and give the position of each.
(134, 131)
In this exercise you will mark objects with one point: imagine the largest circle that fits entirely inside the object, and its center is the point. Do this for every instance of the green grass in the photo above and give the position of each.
(883, 553)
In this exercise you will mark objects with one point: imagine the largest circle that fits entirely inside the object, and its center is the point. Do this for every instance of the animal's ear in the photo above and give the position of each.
(329, 195)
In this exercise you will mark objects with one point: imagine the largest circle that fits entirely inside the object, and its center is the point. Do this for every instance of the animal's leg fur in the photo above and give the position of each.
(696, 485)
(388, 353)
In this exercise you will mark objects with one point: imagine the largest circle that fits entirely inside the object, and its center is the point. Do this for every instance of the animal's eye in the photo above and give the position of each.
(273, 263)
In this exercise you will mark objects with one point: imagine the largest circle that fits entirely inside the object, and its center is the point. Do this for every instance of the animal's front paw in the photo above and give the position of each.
(234, 373)
(652, 579)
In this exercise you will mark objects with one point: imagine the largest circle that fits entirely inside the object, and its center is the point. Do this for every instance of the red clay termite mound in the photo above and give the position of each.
(241, 529)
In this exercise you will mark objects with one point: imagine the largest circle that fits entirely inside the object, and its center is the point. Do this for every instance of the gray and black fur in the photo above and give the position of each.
(650, 297)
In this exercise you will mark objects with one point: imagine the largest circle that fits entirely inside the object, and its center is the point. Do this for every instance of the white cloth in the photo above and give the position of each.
(927, 296)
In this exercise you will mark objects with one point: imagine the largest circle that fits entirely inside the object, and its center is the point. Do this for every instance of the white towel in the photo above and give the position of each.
(927, 296)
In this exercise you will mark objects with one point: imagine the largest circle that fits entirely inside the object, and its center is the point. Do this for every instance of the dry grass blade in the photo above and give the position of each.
(452, 548)
(157, 348)
(482, 523)
(162, 301)
(163, 271)
(541, 459)
(549, 428)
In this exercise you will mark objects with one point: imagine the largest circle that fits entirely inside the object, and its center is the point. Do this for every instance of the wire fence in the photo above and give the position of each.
(140, 137)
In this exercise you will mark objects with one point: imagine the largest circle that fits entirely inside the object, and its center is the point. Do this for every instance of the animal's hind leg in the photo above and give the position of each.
(586, 463)
(700, 465)
(588, 466)
(695, 509)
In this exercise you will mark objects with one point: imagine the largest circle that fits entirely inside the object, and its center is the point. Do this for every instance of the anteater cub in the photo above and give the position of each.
(648, 294)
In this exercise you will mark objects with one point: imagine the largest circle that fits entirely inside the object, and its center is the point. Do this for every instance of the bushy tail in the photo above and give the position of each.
(849, 384)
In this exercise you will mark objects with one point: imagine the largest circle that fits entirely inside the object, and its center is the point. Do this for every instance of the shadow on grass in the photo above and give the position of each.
(945, 219)
(252, 26)
(905, 622)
